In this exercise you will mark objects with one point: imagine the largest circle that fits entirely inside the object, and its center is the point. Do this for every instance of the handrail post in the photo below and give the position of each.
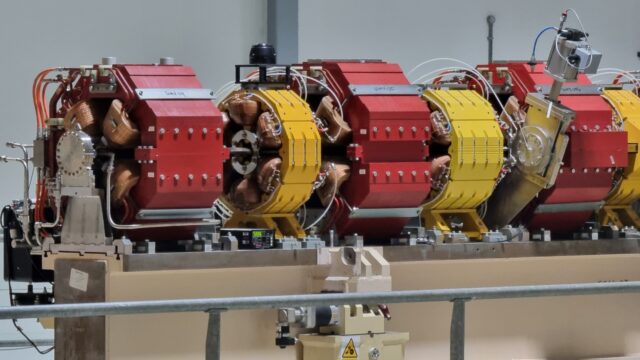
(457, 329)
(212, 349)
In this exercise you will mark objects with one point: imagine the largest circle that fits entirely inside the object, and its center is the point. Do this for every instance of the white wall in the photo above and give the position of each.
(211, 36)
(411, 31)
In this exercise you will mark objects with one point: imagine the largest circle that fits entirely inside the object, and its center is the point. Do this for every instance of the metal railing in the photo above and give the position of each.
(214, 306)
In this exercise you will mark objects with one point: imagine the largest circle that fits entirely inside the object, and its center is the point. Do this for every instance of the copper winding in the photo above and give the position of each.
(118, 129)
(267, 132)
(243, 111)
(269, 174)
(85, 116)
(338, 128)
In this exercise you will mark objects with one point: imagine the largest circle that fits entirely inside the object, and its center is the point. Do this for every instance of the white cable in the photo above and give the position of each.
(480, 77)
(333, 197)
(484, 94)
(616, 71)
(449, 72)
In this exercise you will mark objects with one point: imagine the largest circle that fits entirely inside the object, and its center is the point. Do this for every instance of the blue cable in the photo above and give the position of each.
(535, 43)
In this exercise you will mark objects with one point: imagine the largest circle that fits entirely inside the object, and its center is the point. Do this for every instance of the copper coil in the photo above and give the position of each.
(269, 174)
(83, 115)
(118, 129)
(334, 179)
(440, 172)
(267, 132)
(512, 107)
(245, 193)
(337, 127)
(439, 129)
(126, 175)
(243, 111)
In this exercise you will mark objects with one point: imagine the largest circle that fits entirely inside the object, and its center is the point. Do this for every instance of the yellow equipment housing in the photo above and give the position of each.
(301, 160)
(476, 152)
(618, 209)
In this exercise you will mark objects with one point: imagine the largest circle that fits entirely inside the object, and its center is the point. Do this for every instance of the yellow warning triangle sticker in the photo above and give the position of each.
(350, 351)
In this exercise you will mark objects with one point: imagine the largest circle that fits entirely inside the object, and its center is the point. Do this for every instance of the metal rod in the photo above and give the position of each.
(24, 343)
(275, 302)
(213, 336)
(456, 339)
(490, 21)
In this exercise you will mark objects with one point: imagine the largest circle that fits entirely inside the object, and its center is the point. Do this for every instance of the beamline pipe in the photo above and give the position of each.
(280, 301)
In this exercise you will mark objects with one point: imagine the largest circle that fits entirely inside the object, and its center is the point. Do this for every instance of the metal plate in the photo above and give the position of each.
(357, 213)
(567, 207)
(593, 89)
(174, 94)
(156, 214)
(308, 257)
(384, 89)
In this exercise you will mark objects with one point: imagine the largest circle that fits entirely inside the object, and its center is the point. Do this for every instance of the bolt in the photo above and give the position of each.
(400, 173)
(190, 177)
(162, 177)
(176, 131)
(375, 173)
(218, 130)
(204, 130)
(387, 129)
(388, 173)
(414, 129)
(162, 131)
(401, 129)
(374, 354)
(190, 131)
(375, 129)
(176, 177)
(205, 177)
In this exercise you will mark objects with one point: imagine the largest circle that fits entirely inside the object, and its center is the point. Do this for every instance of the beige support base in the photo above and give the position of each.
(389, 346)
(545, 328)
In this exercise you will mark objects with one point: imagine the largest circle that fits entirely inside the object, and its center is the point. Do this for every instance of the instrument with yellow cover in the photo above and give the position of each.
(275, 149)
(467, 146)
(618, 210)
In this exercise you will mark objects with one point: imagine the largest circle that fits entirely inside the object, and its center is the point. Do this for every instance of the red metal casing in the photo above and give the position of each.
(594, 149)
(181, 139)
(388, 148)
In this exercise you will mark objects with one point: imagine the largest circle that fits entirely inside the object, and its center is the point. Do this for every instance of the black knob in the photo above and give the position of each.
(262, 54)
